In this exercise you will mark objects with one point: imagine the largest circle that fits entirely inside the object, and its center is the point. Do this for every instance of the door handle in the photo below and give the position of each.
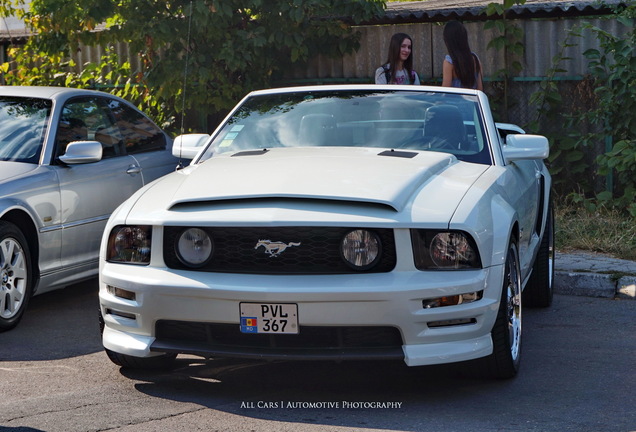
(133, 169)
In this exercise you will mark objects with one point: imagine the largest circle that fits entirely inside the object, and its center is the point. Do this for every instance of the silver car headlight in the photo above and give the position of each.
(444, 250)
(194, 247)
(129, 244)
(361, 249)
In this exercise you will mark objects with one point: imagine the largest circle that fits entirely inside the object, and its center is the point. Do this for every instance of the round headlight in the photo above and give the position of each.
(194, 247)
(361, 249)
(452, 250)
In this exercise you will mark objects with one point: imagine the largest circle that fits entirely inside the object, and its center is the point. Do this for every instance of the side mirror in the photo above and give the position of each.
(81, 152)
(506, 129)
(525, 147)
(187, 146)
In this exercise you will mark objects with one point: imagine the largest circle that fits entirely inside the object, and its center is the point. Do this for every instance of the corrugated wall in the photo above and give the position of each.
(94, 53)
(543, 40)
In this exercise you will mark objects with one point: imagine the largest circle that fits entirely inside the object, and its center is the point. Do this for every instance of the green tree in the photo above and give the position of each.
(510, 43)
(608, 121)
(225, 47)
(614, 69)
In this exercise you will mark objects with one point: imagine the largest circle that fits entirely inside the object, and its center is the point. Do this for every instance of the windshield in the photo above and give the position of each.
(414, 120)
(22, 128)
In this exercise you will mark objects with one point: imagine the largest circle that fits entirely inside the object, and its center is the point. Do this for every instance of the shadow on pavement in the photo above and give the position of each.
(58, 324)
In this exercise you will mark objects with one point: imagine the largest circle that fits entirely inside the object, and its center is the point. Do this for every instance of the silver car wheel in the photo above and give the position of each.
(513, 303)
(551, 252)
(505, 359)
(13, 276)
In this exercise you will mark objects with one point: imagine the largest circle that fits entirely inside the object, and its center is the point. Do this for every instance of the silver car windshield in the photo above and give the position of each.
(413, 120)
(23, 123)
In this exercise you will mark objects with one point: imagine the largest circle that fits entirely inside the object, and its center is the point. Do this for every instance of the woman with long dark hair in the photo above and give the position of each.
(461, 66)
(398, 68)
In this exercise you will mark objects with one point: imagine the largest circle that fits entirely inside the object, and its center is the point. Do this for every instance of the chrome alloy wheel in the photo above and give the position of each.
(513, 303)
(13, 276)
(551, 252)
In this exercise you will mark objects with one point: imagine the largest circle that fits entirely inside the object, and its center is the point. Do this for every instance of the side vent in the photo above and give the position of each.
(541, 209)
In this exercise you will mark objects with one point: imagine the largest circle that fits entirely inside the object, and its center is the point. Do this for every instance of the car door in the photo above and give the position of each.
(524, 185)
(90, 192)
(143, 140)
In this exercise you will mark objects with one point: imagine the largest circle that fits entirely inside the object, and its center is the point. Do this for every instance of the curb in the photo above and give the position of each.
(593, 274)
(595, 285)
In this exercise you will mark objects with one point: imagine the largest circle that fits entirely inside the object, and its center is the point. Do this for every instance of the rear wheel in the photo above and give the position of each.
(506, 333)
(16, 276)
(539, 290)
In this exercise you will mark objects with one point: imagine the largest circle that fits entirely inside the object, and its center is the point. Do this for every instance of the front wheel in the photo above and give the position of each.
(16, 277)
(506, 332)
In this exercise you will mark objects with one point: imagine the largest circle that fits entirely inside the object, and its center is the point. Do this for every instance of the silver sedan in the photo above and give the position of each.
(68, 158)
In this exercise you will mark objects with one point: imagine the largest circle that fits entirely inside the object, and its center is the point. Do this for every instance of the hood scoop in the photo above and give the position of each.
(398, 153)
(250, 153)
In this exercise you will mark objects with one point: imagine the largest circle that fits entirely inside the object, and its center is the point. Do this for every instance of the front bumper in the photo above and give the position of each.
(392, 301)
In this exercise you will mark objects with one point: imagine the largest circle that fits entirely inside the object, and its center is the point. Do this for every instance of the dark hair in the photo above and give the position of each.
(393, 57)
(465, 63)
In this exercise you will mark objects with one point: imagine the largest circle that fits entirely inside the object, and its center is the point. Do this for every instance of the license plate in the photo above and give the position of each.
(280, 318)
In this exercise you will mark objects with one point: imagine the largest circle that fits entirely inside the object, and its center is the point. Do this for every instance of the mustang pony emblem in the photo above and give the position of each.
(274, 248)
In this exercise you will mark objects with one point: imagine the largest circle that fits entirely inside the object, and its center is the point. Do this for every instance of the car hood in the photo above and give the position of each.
(393, 180)
(9, 170)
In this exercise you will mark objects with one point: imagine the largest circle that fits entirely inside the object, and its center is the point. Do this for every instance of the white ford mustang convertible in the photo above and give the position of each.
(355, 222)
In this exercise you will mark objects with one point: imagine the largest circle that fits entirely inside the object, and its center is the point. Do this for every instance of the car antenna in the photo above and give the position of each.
(185, 79)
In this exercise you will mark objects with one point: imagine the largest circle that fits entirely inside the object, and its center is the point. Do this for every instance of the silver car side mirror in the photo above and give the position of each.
(81, 152)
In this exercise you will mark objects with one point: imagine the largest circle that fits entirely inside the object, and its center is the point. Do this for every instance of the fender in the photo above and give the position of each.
(488, 218)
(12, 211)
(44, 244)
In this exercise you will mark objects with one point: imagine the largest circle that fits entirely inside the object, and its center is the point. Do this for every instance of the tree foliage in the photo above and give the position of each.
(510, 43)
(614, 69)
(610, 123)
(226, 47)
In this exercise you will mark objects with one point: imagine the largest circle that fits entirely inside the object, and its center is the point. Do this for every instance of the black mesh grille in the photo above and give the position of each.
(229, 335)
(319, 251)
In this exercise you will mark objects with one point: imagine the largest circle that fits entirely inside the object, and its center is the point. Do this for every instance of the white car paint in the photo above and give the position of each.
(494, 201)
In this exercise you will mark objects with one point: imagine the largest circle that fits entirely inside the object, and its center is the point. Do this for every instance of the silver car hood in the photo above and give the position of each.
(9, 170)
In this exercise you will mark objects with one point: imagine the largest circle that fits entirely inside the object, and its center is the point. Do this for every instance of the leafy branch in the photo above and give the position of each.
(509, 42)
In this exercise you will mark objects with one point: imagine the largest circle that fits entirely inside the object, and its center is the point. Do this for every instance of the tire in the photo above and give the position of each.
(163, 362)
(539, 290)
(506, 333)
(16, 275)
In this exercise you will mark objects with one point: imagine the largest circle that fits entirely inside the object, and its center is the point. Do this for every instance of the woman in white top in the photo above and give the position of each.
(398, 68)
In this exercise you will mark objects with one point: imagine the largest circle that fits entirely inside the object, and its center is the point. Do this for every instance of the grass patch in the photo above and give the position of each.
(603, 230)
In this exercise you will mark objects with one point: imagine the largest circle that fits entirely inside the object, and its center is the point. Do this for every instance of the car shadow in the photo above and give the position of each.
(56, 325)
(19, 429)
(359, 395)
(354, 394)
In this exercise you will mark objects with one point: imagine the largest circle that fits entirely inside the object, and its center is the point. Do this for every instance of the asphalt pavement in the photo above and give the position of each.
(594, 275)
